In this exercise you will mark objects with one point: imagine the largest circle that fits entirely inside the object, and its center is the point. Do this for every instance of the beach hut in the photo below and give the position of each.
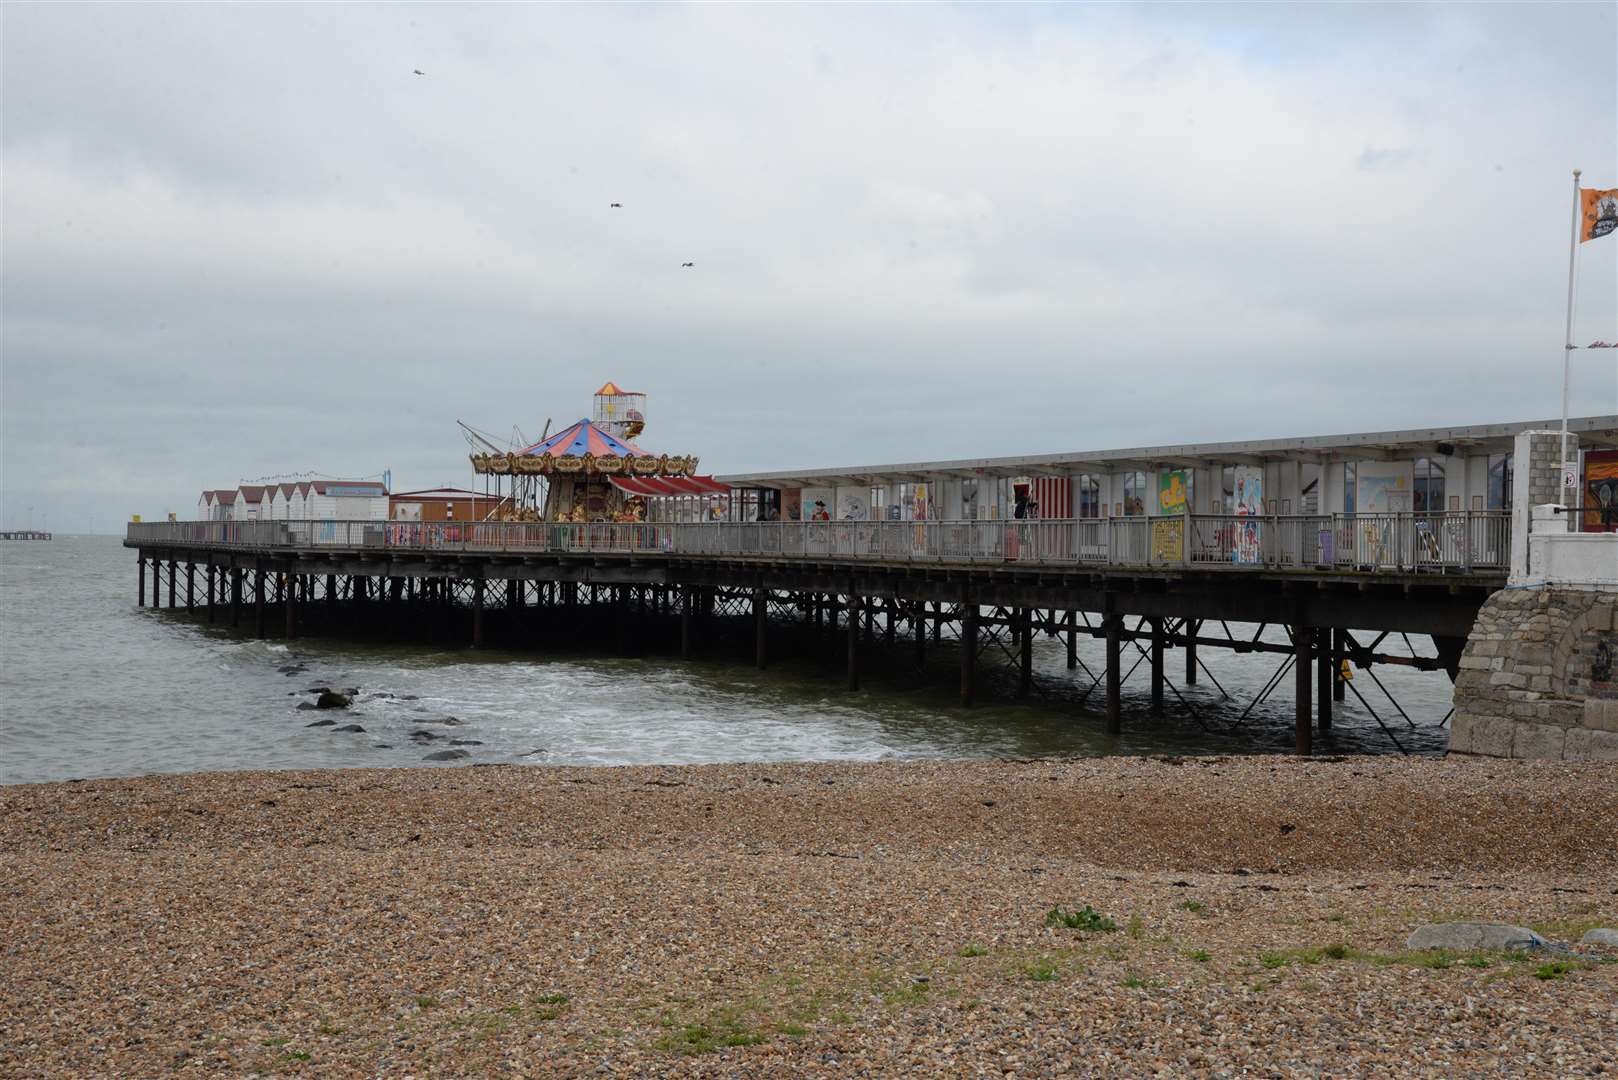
(347, 500)
(252, 502)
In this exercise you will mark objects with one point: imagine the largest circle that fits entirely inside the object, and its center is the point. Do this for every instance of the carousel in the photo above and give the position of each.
(593, 471)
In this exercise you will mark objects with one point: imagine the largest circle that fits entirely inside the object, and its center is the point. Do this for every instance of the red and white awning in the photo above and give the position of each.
(670, 485)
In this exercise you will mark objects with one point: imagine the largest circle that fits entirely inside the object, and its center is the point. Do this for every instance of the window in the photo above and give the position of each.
(1089, 496)
(1227, 490)
(1427, 495)
(1134, 493)
(879, 502)
(1350, 478)
(1499, 482)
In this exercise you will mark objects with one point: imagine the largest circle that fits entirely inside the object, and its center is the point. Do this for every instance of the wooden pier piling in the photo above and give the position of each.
(1189, 629)
(1113, 722)
(1025, 652)
(1303, 665)
(853, 619)
(1158, 675)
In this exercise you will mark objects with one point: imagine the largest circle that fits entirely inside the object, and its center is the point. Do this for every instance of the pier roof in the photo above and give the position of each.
(1593, 431)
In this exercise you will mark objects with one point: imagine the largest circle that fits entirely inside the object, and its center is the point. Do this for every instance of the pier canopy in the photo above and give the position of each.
(670, 485)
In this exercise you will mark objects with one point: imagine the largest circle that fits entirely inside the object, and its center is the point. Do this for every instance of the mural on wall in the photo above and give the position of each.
(1383, 489)
(1601, 491)
(818, 503)
(1173, 491)
(1246, 548)
(853, 504)
(919, 503)
(792, 504)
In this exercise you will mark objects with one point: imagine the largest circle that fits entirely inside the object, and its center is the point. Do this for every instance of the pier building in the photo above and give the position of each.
(1342, 540)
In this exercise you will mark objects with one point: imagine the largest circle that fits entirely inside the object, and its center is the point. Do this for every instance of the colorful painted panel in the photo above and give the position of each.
(1247, 548)
(1601, 491)
(1173, 491)
(1168, 540)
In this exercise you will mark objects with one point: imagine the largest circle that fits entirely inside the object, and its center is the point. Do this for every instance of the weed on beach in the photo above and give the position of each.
(1041, 970)
(1086, 918)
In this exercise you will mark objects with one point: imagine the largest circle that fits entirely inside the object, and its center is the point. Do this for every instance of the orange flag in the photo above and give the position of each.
(1598, 213)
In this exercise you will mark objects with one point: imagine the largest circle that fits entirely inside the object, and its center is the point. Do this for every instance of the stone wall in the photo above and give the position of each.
(1536, 481)
(1537, 678)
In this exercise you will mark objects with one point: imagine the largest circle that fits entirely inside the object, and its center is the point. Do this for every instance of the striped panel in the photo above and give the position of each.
(1054, 495)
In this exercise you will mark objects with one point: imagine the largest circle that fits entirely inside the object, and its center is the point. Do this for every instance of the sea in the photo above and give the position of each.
(91, 685)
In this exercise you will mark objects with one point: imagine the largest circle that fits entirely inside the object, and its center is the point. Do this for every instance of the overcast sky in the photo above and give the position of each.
(247, 241)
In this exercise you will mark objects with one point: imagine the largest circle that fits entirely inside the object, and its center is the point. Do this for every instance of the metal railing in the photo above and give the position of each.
(1456, 541)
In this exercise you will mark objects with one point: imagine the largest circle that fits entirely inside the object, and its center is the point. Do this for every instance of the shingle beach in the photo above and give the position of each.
(827, 919)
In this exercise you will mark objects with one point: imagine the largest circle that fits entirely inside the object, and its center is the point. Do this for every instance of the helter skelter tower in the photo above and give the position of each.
(619, 412)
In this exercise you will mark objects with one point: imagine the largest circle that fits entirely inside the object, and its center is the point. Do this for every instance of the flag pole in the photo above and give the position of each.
(1567, 337)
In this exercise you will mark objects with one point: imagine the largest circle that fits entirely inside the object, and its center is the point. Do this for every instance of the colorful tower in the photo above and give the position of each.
(620, 412)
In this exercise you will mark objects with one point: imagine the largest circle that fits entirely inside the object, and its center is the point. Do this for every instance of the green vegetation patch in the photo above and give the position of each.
(1086, 918)
(722, 1030)
(1041, 970)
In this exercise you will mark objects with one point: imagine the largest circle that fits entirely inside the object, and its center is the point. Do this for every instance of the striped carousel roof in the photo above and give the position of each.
(584, 438)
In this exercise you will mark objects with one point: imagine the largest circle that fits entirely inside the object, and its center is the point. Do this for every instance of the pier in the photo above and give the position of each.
(984, 588)
(24, 534)
(1156, 587)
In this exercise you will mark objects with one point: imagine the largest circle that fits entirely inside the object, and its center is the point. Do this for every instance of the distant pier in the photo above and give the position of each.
(24, 534)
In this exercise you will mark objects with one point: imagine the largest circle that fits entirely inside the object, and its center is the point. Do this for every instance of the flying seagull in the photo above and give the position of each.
(418, 71)
(687, 264)
(615, 206)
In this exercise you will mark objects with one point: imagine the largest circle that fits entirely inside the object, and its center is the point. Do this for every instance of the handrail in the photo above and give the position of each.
(1402, 542)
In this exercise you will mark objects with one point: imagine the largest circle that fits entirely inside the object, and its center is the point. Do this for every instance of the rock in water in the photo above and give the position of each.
(424, 736)
(1601, 935)
(447, 755)
(328, 722)
(1469, 936)
(349, 727)
(331, 699)
(465, 742)
(307, 705)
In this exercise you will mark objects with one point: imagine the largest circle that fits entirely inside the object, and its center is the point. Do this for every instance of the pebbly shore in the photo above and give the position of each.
(1232, 916)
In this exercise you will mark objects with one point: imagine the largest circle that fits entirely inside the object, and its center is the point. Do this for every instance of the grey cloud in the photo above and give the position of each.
(246, 239)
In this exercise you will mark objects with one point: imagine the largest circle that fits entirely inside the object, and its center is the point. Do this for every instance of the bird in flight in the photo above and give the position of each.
(683, 265)
(418, 71)
(615, 206)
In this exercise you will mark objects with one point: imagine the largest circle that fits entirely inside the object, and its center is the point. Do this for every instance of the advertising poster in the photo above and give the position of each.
(792, 504)
(1173, 491)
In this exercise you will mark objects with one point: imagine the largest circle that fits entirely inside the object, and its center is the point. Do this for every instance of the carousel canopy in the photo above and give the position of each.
(583, 438)
(612, 389)
(670, 485)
